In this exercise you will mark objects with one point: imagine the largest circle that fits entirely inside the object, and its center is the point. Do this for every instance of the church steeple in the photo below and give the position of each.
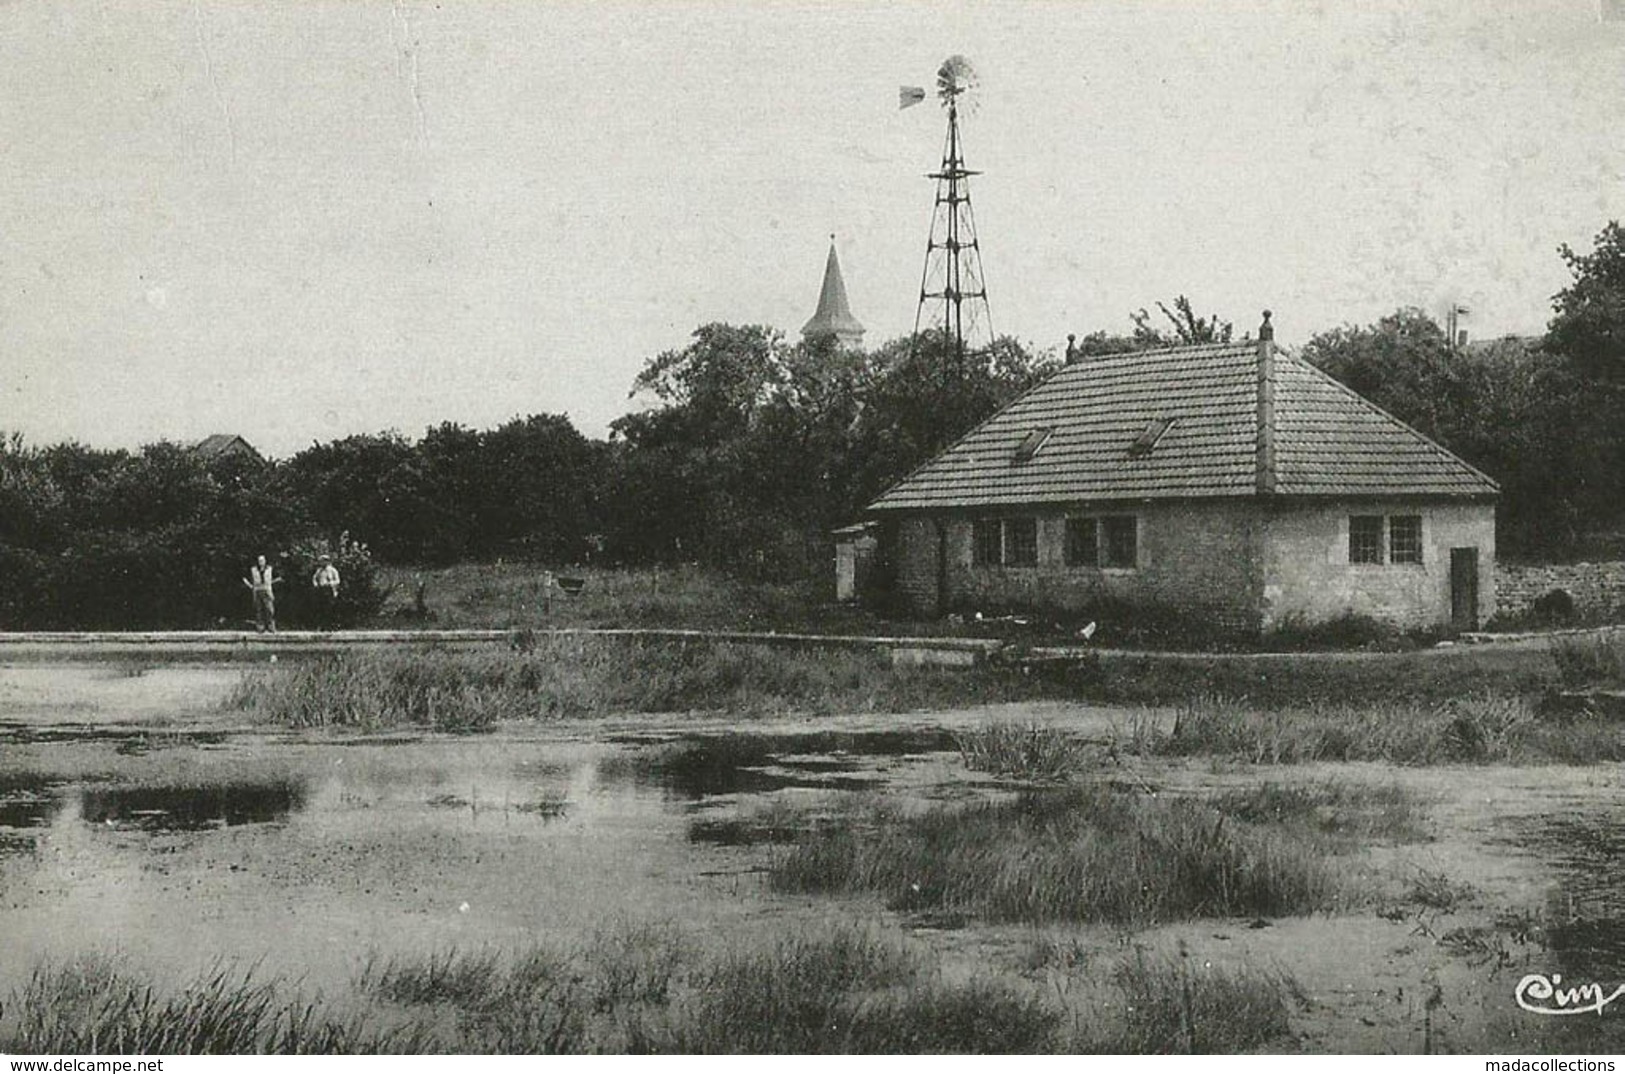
(834, 316)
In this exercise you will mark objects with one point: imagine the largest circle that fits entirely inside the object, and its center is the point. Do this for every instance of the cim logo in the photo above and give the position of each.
(1539, 994)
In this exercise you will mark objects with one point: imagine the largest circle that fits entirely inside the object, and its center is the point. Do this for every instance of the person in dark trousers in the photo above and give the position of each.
(326, 583)
(262, 581)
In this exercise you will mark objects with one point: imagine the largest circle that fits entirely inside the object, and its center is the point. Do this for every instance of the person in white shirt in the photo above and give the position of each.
(326, 583)
(262, 581)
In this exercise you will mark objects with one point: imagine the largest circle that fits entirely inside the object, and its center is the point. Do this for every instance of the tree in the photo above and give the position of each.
(915, 404)
(1505, 408)
(1587, 336)
(1588, 328)
(370, 486)
(757, 448)
(1188, 328)
(542, 489)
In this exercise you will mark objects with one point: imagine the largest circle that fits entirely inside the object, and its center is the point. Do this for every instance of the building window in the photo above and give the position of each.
(1082, 547)
(1122, 541)
(1405, 539)
(988, 548)
(1365, 539)
(1021, 542)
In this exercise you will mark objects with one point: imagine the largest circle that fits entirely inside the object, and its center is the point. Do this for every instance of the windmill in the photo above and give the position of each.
(953, 294)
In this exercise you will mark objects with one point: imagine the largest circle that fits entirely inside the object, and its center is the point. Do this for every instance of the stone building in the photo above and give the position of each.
(1225, 481)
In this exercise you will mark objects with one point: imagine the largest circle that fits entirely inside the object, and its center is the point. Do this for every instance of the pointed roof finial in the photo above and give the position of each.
(834, 315)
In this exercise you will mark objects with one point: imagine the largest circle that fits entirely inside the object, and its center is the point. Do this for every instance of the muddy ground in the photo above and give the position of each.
(138, 816)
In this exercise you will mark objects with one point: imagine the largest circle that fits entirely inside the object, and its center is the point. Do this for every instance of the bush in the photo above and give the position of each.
(1553, 607)
(360, 593)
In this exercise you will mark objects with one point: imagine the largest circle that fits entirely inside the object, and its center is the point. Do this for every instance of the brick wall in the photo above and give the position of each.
(1598, 589)
(1193, 558)
(914, 559)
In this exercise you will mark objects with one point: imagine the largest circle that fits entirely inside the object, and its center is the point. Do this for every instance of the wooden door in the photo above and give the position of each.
(1464, 588)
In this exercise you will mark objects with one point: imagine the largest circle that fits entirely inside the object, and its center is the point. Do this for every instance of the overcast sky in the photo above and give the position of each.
(297, 221)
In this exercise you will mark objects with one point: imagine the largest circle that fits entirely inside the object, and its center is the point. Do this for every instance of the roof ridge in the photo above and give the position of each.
(1158, 352)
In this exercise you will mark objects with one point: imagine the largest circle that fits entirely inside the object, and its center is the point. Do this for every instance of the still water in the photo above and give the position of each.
(301, 856)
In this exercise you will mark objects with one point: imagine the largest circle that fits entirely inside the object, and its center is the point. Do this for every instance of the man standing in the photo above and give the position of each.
(261, 581)
(326, 583)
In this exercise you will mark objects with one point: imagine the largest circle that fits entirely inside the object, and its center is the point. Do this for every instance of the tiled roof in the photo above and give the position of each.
(1328, 440)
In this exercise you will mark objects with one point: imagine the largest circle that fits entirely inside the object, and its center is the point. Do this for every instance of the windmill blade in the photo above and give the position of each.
(909, 96)
(954, 77)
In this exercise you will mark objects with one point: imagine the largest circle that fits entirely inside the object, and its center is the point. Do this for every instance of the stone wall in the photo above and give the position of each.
(1237, 565)
(1308, 576)
(1598, 589)
(1193, 559)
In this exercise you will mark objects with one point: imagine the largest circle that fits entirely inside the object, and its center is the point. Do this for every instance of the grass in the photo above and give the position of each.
(1029, 752)
(570, 676)
(1597, 661)
(564, 677)
(1172, 1005)
(1477, 727)
(94, 1006)
(644, 989)
(512, 596)
(649, 988)
(1347, 814)
(1086, 854)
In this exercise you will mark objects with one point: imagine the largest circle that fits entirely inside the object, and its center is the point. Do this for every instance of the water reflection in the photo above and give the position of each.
(191, 808)
(699, 767)
(1585, 912)
(368, 786)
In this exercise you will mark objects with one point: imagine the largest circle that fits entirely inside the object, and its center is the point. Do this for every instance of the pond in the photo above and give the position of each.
(301, 855)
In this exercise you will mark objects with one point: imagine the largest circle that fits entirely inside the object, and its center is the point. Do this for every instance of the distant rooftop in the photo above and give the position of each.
(222, 445)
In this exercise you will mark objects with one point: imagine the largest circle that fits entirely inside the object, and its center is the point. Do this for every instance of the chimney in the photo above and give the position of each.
(1072, 355)
(1266, 407)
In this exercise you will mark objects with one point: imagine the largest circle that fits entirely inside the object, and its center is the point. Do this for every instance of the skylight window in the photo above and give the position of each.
(1148, 439)
(1029, 446)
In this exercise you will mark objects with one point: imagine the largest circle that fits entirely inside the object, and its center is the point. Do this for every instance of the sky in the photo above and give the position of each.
(299, 221)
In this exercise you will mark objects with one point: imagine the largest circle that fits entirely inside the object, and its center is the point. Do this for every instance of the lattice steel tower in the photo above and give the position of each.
(953, 292)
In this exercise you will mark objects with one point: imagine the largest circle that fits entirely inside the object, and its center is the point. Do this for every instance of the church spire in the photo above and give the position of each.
(834, 316)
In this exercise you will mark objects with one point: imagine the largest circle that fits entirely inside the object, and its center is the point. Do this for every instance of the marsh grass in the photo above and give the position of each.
(1028, 752)
(1436, 891)
(1087, 854)
(552, 676)
(1589, 661)
(562, 677)
(1476, 727)
(1175, 1004)
(1347, 814)
(636, 988)
(449, 976)
(645, 989)
(94, 1006)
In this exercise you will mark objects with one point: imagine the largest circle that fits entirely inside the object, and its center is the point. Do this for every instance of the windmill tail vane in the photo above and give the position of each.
(909, 96)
